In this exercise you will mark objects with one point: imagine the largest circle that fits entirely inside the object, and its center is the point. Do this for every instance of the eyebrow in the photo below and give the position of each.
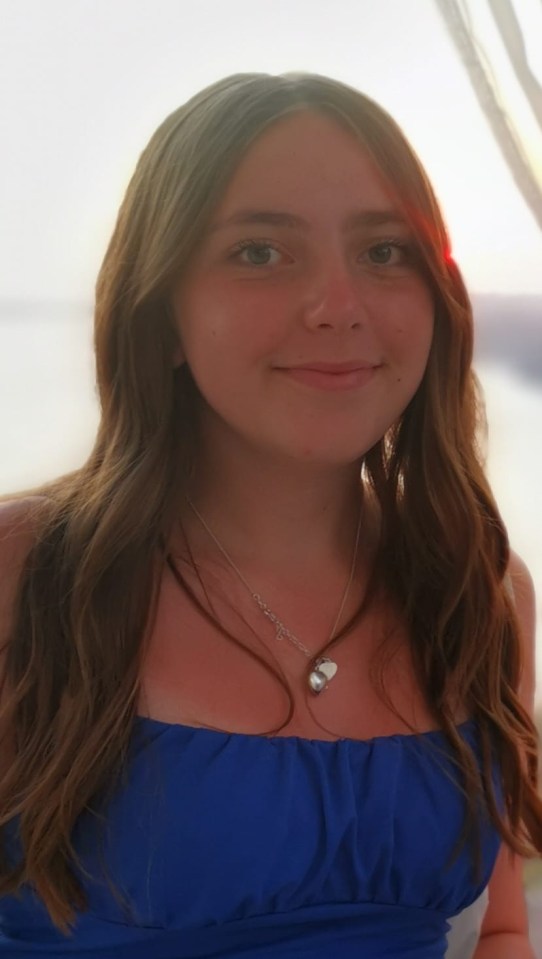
(361, 218)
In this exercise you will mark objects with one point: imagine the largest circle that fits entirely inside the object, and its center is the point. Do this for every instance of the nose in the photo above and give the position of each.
(333, 299)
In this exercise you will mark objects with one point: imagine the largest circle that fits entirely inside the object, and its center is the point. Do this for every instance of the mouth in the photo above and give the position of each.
(331, 376)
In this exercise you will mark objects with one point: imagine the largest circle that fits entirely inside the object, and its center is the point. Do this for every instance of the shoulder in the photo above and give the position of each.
(18, 528)
(521, 578)
(523, 590)
(18, 525)
(507, 912)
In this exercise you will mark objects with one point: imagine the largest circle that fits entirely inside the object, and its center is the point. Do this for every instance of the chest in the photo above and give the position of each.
(195, 675)
(215, 829)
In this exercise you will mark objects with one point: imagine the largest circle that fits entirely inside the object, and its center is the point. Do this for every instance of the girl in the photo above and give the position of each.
(266, 691)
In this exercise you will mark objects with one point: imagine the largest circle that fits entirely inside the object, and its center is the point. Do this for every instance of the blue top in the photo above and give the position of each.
(236, 845)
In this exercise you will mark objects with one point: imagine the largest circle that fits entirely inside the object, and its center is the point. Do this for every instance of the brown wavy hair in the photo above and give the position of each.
(88, 589)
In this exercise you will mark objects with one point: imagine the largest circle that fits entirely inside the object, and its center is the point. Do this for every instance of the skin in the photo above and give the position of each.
(268, 439)
(505, 929)
(318, 293)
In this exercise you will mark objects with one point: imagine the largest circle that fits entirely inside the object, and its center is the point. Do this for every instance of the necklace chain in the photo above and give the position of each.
(280, 629)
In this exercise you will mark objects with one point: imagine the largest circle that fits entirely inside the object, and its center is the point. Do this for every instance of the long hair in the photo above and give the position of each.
(87, 592)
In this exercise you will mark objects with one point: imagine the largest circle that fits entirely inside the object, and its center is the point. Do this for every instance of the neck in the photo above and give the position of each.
(268, 517)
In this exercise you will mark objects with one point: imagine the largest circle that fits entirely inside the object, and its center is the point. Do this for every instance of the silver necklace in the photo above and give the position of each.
(322, 669)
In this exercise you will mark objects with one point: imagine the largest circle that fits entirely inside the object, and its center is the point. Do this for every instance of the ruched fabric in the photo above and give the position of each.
(234, 845)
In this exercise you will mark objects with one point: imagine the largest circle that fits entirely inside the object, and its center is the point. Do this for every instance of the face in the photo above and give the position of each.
(304, 317)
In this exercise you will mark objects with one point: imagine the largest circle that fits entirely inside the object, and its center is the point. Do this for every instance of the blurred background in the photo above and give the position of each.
(85, 83)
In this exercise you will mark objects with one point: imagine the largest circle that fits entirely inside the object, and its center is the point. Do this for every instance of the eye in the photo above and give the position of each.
(258, 253)
(389, 253)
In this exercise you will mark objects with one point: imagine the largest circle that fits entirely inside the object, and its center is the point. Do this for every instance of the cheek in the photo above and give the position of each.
(201, 323)
(217, 348)
(408, 334)
(232, 342)
(408, 344)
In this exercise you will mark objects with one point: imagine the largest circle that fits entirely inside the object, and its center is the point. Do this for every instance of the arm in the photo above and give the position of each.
(505, 929)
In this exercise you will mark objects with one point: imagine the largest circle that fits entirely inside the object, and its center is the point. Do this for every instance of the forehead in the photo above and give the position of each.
(303, 160)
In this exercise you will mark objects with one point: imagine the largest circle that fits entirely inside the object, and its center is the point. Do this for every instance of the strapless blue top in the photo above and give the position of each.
(237, 845)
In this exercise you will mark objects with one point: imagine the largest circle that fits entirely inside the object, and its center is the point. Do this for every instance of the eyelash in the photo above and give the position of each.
(250, 245)
(397, 243)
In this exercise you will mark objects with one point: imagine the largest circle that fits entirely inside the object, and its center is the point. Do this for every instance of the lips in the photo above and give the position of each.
(334, 368)
(331, 377)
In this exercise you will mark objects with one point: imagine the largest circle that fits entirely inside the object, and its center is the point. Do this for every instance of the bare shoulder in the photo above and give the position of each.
(523, 590)
(522, 581)
(507, 911)
(17, 529)
(18, 524)
(525, 601)
(14, 509)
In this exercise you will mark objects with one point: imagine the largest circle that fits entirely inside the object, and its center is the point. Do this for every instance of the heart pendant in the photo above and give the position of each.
(327, 667)
(319, 677)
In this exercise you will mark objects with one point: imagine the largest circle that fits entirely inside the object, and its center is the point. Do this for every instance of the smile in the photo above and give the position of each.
(327, 379)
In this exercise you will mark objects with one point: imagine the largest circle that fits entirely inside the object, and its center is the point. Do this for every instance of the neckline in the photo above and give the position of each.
(464, 726)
